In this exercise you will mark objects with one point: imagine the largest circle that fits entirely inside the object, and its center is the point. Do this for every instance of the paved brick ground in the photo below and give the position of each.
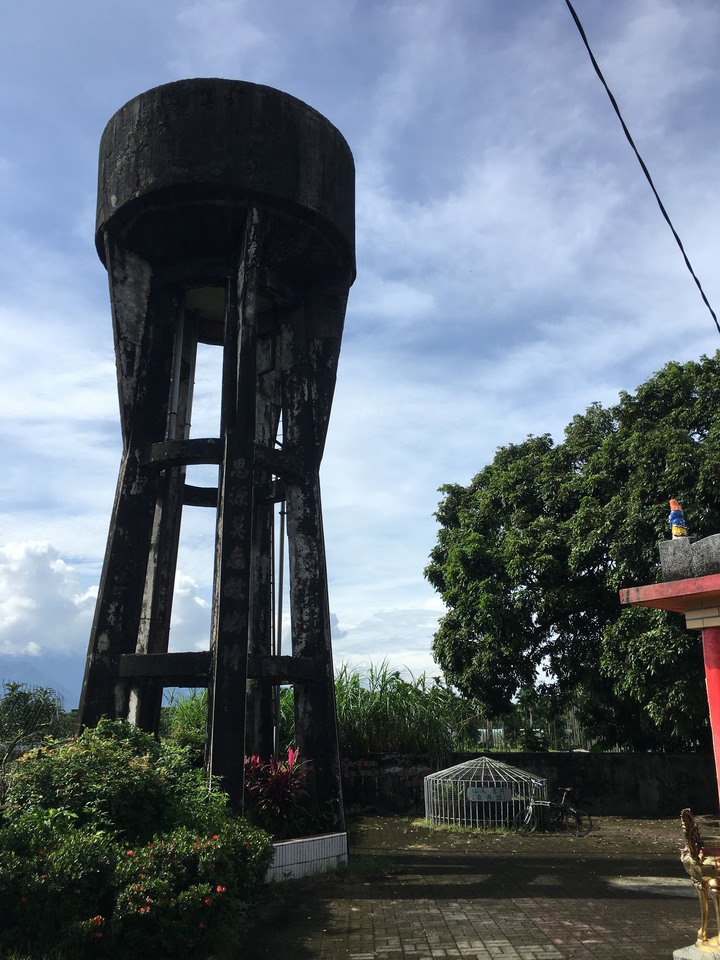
(619, 893)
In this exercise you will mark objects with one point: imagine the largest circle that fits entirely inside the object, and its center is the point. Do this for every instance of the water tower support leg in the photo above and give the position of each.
(235, 551)
(315, 720)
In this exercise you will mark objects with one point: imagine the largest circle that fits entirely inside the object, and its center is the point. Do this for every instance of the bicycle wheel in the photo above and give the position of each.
(577, 822)
(525, 822)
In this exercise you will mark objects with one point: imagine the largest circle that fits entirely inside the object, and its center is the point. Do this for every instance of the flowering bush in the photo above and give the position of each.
(275, 793)
(86, 869)
(182, 890)
(52, 876)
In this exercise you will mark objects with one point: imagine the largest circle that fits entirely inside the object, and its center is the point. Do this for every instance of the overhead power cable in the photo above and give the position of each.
(645, 170)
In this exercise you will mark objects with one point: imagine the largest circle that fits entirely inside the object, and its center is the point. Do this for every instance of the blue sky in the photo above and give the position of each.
(512, 268)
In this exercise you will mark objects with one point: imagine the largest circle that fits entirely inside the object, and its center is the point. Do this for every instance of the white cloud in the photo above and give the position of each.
(218, 37)
(647, 60)
(393, 301)
(43, 606)
(190, 623)
(398, 637)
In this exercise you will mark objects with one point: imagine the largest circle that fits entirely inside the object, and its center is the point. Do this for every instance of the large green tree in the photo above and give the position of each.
(531, 555)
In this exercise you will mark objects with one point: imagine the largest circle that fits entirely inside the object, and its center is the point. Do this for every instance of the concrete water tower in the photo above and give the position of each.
(225, 217)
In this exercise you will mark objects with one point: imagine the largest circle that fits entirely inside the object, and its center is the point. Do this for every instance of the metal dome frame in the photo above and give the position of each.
(482, 793)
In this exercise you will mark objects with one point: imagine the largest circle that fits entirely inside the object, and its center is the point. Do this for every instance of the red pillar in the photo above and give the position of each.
(711, 651)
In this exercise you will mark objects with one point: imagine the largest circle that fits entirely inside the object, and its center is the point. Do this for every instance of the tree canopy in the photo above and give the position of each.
(532, 553)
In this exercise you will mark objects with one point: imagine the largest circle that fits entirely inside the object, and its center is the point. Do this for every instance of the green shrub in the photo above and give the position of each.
(184, 891)
(111, 844)
(117, 777)
(54, 876)
(380, 712)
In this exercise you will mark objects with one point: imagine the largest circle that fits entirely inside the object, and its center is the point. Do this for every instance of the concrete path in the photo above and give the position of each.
(619, 893)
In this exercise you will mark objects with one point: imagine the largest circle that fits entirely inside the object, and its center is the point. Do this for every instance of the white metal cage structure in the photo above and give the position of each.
(480, 793)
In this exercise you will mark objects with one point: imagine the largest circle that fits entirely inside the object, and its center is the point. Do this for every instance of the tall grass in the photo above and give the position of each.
(184, 719)
(380, 712)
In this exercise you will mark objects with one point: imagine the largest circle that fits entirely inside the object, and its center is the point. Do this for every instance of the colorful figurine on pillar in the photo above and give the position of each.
(677, 520)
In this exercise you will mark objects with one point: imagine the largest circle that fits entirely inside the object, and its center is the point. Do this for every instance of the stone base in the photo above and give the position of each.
(676, 558)
(686, 557)
(696, 953)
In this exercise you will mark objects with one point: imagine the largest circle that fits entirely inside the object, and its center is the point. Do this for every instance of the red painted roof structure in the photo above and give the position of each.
(677, 595)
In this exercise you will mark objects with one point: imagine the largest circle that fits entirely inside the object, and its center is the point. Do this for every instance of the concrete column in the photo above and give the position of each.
(122, 586)
(711, 651)
(235, 550)
(315, 718)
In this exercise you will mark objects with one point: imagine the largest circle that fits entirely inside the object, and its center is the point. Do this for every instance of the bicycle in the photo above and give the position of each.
(562, 815)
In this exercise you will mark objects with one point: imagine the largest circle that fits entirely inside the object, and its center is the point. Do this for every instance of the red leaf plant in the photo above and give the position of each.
(275, 791)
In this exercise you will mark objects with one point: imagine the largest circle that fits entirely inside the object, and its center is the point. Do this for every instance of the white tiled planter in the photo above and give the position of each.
(307, 856)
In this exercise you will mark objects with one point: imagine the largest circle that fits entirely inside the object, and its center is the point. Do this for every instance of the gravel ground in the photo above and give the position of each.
(610, 835)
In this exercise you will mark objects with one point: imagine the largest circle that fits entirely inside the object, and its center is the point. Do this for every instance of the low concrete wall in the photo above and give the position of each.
(613, 784)
(307, 856)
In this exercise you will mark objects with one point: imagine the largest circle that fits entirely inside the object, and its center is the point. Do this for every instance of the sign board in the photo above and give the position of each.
(488, 794)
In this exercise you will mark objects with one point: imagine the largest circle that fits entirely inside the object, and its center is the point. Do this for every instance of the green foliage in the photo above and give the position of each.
(27, 716)
(532, 553)
(111, 844)
(29, 712)
(380, 712)
(186, 721)
(54, 876)
(115, 775)
(184, 892)
(538, 721)
(287, 718)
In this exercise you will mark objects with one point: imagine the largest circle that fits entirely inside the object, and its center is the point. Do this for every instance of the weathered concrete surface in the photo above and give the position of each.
(225, 217)
(684, 558)
(207, 147)
(611, 784)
